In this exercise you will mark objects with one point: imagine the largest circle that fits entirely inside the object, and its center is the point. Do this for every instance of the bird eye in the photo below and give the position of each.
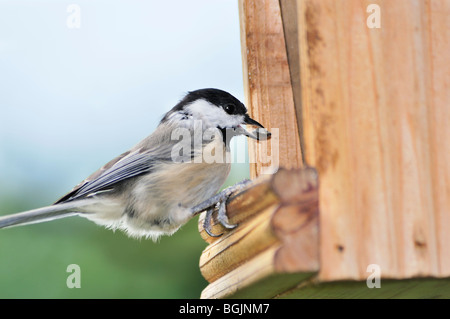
(229, 108)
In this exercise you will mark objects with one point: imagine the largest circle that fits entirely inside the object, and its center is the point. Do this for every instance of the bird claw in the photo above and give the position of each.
(207, 223)
(222, 218)
(221, 201)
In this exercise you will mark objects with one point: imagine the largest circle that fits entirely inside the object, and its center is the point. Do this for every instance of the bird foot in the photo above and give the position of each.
(219, 200)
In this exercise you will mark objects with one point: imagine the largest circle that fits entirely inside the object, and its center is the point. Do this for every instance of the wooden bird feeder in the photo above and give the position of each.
(366, 104)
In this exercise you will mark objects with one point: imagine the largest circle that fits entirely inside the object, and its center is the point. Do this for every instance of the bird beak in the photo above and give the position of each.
(250, 121)
(259, 134)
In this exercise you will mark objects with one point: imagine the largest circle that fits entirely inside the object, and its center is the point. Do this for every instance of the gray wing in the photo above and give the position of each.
(125, 166)
(140, 160)
(129, 164)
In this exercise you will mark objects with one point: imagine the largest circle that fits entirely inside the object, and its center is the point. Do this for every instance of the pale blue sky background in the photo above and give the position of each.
(72, 99)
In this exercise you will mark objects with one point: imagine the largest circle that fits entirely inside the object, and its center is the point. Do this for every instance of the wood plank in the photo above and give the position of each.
(290, 28)
(267, 85)
(375, 114)
(253, 199)
(281, 238)
(416, 288)
(230, 251)
(258, 279)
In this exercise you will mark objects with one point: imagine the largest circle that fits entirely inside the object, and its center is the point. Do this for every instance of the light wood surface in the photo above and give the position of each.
(372, 106)
(376, 114)
(278, 238)
(267, 83)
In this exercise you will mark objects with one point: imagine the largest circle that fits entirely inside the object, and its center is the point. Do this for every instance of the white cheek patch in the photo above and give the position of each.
(213, 116)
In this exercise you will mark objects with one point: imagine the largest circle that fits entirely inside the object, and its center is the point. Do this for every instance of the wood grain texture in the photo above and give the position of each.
(258, 278)
(267, 84)
(376, 124)
(249, 239)
(280, 238)
(289, 18)
(416, 288)
(256, 197)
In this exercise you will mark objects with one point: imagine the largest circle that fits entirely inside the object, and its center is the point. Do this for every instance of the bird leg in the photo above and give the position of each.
(219, 200)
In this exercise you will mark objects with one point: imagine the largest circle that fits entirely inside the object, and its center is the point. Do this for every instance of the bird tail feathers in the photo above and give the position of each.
(40, 215)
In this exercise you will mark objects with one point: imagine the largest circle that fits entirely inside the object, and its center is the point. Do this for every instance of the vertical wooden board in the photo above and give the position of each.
(438, 13)
(267, 82)
(325, 134)
(289, 17)
(370, 105)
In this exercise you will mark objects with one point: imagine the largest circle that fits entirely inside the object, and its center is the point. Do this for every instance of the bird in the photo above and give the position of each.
(169, 177)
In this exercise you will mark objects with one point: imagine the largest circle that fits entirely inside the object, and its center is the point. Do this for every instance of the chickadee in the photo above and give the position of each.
(163, 181)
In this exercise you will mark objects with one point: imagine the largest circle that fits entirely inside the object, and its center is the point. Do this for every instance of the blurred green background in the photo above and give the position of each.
(34, 259)
(71, 99)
